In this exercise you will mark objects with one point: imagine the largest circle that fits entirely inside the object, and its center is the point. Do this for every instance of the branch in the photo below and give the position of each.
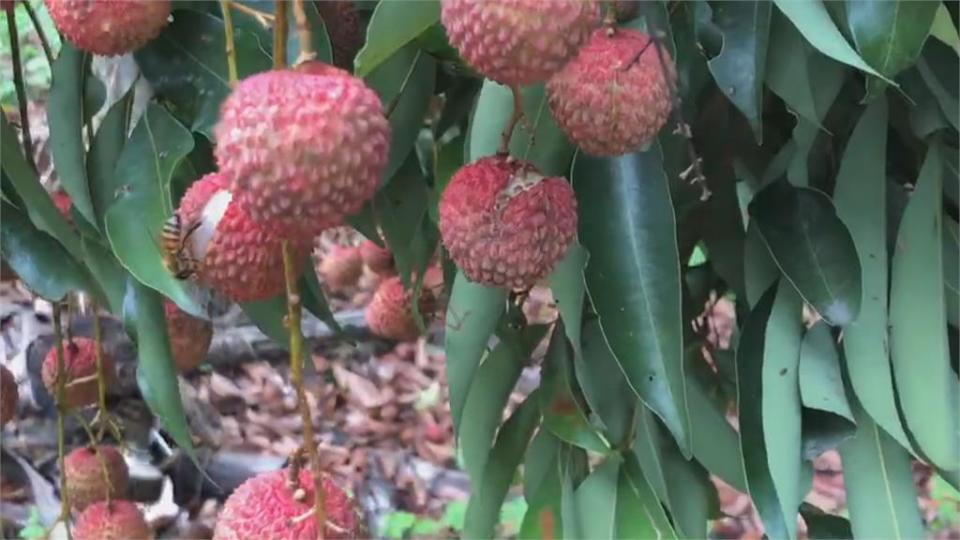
(18, 84)
(265, 19)
(228, 38)
(279, 35)
(40, 33)
(303, 33)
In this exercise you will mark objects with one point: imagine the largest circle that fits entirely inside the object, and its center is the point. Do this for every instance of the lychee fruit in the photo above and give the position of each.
(390, 312)
(64, 203)
(341, 267)
(81, 371)
(518, 42)
(189, 337)
(613, 97)
(238, 257)
(116, 520)
(109, 27)
(378, 259)
(303, 148)
(265, 507)
(84, 471)
(9, 395)
(504, 223)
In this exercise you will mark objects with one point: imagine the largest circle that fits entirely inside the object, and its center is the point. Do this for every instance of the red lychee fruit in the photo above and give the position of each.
(109, 27)
(9, 395)
(81, 366)
(189, 337)
(613, 97)
(303, 148)
(505, 224)
(116, 520)
(238, 257)
(378, 259)
(390, 312)
(265, 507)
(84, 470)
(518, 42)
(341, 267)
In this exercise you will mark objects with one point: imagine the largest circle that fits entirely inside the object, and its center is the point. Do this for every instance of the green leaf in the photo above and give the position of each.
(472, 316)
(918, 339)
(104, 153)
(568, 287)
(739, 68)
(268, 315)
(861, 200)
(812, 20)
(889, 35)
(715, 443)
(105, 268)
(596, 501)
(633, 276)
(938, 67)
(401, 207)
(827, 420)
(483, 510)
(768, 398)
(313, 298)
(879, 481)
(635, 493)
(398, 523)
(135, 219)
(951, 269)
(542, 487)
(821, 525)
(944, 30)
(812, 247)
(393, 25)
(605, 388)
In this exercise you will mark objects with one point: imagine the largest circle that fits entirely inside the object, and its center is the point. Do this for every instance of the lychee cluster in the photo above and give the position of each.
(80, 362)
(114, 520)
(93, 473)
(109, 27)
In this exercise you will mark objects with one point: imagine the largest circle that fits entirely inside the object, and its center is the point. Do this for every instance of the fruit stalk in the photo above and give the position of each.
(264, 19)
(512, 123)
(303, 33)
(296, 379)
(18, 85)
(40, 33)
(61, 397)
(279, 35)
(228, 37)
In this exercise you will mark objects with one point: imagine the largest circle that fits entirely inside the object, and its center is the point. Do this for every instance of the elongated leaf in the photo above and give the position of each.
(596, 501)
(938, 67)
(605, 387)
(268, 316)
(568, 287)
(768, 398)
(393, 25)
(715, 443)
(759, 268)
(631, 523)
(821, 525)
(879, 482)
(643, 499)
(633, 276)
(542, 488)
(951, 269)
(400, 208)
(861, 200)
(104, 153)
(827, 419)
(944, 30)
(918, 338)
(106, 269)
(313, 298)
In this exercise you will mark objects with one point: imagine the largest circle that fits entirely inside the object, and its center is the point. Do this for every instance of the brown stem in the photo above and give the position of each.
(279, 35)
(47, 51)
(515, 117)
(263, 18)
(303, 33)
(62, 410)
(18, 85)
(228, 38)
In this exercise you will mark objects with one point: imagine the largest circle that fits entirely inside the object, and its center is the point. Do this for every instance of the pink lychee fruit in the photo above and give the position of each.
(109, 27)
(390, 312)
(341, 267)
(116, 520)
(378, 259)
(84, 470)
(189, 337)
(81, 371)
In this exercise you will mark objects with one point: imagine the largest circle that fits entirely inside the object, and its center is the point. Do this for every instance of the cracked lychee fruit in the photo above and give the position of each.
(116, 520)
(390, 312)
(109, 27)
(341, 267)
(81, 371)
(9, 395)
(237, 257)
(266, 507)
(518, 42)
(189, 337)
(378, 259)
(505, 224)
(303, 148)
(613, 97)
(86, 483)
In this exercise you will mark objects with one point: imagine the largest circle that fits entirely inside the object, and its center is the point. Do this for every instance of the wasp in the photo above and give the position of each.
(173, 242)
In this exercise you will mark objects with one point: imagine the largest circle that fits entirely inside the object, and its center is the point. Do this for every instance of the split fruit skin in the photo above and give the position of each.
(303, 148)
(84, 470)
(264, 508)
(81, 367)
(504, 224)
(613, 98)
(109, 27)
(390, 312)
(190, 337)
(518, 42)
(9, 395)
(116, 520)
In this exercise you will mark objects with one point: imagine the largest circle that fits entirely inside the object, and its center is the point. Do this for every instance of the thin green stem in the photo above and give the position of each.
(512, 123)
(19, 87)
(303, 33)
(280, 25)
(94, 442)
(62, 410)
(228, 35)
(47, 51)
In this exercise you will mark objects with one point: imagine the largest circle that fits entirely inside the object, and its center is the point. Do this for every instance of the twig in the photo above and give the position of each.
(62, 409)
(18, 85)
(515, 117)
(39, 30)
(296, 379)
(303, 33)
(228, 38)
(263, 18)
(103, 417)
(279, 35)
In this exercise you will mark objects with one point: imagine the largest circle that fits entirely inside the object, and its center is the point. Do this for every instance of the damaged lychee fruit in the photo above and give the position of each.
(116, 520)
(237, 257)
(302, 148)
(109, 27)
(390, 312)
(84, 470)
(266, 507)
(378, 259)
(340, 268)
(9, 395)
(81, 371)
(613, 97)
(518, 42)
(189, 337)
(504, 223)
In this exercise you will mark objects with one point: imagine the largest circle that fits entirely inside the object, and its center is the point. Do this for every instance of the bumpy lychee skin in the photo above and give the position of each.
(613, 97)
(504, 223)
(390, 312)
(9, 395)
(518, 42)
(378, 259)
(239, 258)
(118, 520)
(302, 148)
(86, 483)
(341, 267)
(264, 507)
(81, 367)
(189, 337)
(109, 27)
